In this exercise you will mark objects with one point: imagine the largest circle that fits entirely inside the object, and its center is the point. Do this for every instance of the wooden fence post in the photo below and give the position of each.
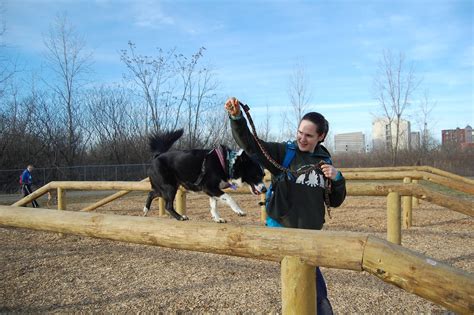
(298, 287)
(415, 201)
(393, 218)
(263, 209)
(407, 207)
(61, 202)
(61, 199)
(161, 207)
(181, 202)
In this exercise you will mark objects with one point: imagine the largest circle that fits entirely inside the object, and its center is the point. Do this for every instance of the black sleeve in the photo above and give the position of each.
(244, 138)
(338, 192)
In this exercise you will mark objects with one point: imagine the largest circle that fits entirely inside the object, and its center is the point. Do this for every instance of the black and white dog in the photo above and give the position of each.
(199, 170)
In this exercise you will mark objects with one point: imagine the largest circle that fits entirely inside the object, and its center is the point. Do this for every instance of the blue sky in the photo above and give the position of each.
(254, 45)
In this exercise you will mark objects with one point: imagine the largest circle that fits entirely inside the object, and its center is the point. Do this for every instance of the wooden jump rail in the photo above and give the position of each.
(427, 173)
(428, 169)
(393, 192)
(297, 250)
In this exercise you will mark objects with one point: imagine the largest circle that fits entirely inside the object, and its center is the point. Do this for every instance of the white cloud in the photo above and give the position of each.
(149, 14)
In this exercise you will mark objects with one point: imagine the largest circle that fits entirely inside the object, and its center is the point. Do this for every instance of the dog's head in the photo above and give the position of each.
(247, 169)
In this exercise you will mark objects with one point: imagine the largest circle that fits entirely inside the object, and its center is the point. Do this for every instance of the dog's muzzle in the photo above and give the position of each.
(258, 189)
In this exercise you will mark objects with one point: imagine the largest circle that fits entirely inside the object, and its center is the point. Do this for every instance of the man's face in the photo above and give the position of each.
(30, 168)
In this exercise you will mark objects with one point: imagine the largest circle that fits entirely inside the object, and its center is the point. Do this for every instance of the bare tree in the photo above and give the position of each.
(299, 94)
(177, 90)
(8, 66)
(69, 63)
(265, 127)
(394, 85)
(154, 76)
(199, 86)
(424, 120)
(113, 122)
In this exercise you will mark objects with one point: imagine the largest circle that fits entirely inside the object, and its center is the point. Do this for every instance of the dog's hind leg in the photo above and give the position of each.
(232, 204)
(151, 195)
(215, 215)
(168, 195)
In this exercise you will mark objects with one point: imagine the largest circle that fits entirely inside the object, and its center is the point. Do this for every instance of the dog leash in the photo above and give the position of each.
(296, 174)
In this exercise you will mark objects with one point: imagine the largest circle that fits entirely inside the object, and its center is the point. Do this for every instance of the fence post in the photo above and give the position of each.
(181, 202)
(263, 209)
(407, 207)
(415, 201)
(298, 287)
(61, 198)
(394, 218)
(161, 207)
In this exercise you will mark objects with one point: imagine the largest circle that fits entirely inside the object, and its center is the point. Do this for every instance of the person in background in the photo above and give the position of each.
(298, 202)
(26, 180)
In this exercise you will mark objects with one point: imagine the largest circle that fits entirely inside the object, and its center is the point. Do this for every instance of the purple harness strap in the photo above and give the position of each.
(220, 155)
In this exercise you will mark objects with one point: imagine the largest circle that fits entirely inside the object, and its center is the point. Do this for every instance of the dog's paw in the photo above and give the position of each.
(241, 214)
(145, 211)
(219, 220)
(183, 218)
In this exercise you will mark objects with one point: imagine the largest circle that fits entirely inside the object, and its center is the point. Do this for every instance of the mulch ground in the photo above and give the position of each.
(43, 272)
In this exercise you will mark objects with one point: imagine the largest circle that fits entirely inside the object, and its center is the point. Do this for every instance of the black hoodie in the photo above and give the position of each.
(295, 203)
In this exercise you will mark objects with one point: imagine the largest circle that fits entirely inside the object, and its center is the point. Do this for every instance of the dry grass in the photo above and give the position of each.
(44, 273)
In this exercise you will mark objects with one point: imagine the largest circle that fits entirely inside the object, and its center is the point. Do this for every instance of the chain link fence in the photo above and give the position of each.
(10, 179)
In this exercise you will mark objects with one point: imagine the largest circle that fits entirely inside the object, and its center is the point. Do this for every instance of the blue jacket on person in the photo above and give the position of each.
(26, 177)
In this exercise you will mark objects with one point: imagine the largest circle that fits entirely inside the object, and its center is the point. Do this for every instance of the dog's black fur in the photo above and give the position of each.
(170, 169)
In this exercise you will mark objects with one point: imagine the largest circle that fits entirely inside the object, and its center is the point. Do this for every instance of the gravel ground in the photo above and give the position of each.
(46, 273)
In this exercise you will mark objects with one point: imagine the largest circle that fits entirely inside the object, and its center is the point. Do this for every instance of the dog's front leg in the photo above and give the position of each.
(215, 215)
(232, 204)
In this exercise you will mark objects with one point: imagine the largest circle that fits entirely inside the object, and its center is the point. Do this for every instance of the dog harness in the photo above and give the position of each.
(220, 155)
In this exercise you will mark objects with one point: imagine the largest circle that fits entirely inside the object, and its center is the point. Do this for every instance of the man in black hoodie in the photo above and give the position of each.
(297, 202)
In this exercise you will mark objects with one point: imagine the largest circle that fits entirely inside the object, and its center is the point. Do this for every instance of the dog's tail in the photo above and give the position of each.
(162, 142)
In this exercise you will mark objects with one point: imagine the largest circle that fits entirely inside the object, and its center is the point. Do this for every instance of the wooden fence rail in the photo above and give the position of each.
(400, 175)
(428, 169)
(438, 282)
(353, 189)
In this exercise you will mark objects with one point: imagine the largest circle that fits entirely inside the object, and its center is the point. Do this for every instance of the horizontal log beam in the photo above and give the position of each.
(425, 193)
(329, 249)
(438, 282)
(428, 169)
(447, 174)
(353, 189)
(399, 175)
(435, 281)
(448, 182)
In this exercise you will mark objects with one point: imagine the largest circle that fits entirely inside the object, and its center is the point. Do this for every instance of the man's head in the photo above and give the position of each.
(30, 167)
(312, 130)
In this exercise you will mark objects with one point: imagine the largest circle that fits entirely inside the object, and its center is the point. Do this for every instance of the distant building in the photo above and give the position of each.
(457, 136)
(349, 142)
(384, 134)
(415, 140)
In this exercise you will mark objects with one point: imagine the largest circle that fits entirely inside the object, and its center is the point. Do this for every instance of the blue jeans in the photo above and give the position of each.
(321, 289)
